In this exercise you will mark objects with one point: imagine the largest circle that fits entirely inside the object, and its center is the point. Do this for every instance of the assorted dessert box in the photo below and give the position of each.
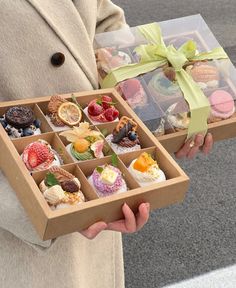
(79, 157)
(168, 73)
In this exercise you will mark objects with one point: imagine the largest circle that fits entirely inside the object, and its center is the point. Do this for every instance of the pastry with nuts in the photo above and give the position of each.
(63, 114)
(61, 189)
(124, 137)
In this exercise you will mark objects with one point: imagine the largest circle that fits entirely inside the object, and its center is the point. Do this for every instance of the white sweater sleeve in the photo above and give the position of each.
(109, 17)
(14, 219)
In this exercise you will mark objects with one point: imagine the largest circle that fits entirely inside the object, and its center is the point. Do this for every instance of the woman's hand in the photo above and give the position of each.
(192, 147)
(130, 224)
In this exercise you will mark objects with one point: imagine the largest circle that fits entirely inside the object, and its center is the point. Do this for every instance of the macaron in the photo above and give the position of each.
(222, 104)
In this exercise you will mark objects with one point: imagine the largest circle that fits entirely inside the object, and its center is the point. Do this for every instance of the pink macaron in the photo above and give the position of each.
(222, 104)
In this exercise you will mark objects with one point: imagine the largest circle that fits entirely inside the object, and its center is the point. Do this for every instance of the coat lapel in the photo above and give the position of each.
(65, 21)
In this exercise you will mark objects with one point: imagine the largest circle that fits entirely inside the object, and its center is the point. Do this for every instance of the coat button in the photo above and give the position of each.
(58, 59)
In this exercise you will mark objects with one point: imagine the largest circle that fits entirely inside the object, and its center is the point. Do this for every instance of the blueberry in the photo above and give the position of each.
(3, 122)
(132, 136)
(28, 132)
(8, 130)
(37, 123)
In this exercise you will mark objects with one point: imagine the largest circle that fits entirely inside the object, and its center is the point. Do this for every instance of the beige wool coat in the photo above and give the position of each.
(31, 31)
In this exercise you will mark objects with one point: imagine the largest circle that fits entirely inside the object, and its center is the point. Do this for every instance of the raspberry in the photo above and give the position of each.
(106, 101)
(94, 109)
(37, 154)
(131, 87)
(111, 114)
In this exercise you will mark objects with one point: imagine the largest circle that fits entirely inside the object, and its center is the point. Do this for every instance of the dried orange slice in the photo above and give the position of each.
(69, 113)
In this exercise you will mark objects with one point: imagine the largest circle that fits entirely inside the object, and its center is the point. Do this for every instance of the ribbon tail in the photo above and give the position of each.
(198, 103)
(129, 71)
(215, 54)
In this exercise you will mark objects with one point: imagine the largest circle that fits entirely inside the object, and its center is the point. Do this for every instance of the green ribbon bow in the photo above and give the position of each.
(155, 55)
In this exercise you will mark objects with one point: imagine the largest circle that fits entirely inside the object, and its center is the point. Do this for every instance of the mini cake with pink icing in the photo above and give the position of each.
(132, 91)
(222, 106)
(107, 180)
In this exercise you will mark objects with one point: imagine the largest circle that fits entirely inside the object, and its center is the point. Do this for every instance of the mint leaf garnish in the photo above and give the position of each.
(114, 160)
(51, 180)
(99, 169)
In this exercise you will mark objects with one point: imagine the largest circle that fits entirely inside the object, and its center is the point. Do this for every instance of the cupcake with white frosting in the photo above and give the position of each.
(146, 171)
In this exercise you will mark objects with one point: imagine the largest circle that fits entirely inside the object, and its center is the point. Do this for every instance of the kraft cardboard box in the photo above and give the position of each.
(51, 223)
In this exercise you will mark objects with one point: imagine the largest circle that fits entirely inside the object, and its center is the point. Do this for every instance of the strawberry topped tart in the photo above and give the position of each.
(102, 110)
(132, 91)
(39, 156)
(146, 170)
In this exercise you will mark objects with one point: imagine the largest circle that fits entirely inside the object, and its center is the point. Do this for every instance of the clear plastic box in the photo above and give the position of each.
(155, 98)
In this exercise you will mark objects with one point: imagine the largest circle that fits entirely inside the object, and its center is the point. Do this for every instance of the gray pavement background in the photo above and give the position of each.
(198, 236)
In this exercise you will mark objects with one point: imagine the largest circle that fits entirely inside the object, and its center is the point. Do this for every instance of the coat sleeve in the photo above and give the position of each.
(14, 219)
(109, 17)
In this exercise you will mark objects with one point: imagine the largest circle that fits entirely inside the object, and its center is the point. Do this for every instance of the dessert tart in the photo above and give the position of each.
(19, 121)
(146, 170)
(102, 110)
(62, 114)
(164, 88)
(110, 58)
(207, 76)
(222, 106)
(39, 155)
(124, 137)
(132, 91)
(85, 143)
(61, 189)
(107, 180)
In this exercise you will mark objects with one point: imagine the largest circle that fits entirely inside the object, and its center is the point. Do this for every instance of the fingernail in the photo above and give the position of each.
(125, 204)
(148, 206)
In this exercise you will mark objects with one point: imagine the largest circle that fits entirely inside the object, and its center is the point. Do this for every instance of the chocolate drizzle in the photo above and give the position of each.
(122, 132)
(126, 142)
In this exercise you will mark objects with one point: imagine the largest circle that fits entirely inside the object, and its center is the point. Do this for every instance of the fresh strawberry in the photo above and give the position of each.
(131, 87)
(111, 114)
(106, 101)
(37, 154)
(94, 109)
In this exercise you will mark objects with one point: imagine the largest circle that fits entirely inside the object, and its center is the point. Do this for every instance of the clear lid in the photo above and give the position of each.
(155, 96)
